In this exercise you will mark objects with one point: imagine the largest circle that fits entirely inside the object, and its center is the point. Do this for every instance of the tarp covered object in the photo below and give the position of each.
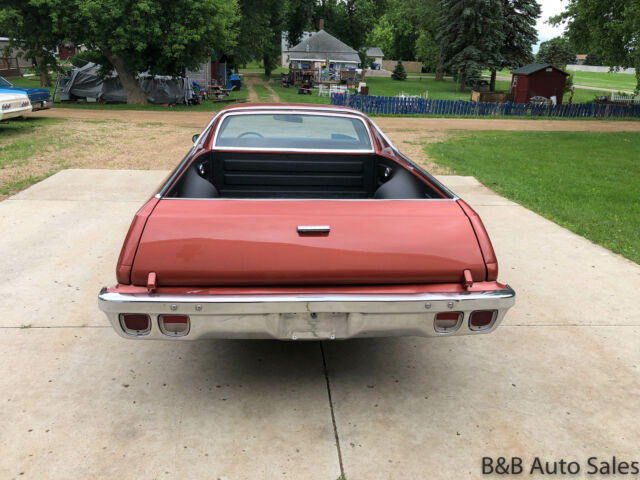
(84, 82)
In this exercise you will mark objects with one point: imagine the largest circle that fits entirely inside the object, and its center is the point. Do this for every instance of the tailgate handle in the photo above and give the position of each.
(302, 229)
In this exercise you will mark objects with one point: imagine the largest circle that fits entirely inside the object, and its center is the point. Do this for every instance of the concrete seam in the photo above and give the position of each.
(333, 416)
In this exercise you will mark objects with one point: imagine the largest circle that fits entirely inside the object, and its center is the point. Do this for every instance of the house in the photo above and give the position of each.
(538, 80)
(10, 66)
(377, 55)
(322, 50)
(581, 58)
(285, 47)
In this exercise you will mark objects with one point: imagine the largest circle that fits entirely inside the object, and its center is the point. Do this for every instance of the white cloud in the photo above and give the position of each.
(546, 31)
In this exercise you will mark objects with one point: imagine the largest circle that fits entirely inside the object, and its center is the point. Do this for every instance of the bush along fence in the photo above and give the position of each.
(419, 106)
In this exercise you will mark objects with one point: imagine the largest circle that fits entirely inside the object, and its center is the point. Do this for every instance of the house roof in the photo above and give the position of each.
(535, 67)
(374, 52)
(322, 46)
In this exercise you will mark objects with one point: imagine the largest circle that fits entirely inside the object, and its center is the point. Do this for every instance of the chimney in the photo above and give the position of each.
(321, 25)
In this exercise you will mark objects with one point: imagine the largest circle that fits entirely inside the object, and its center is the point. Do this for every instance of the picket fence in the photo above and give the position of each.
(371, 104)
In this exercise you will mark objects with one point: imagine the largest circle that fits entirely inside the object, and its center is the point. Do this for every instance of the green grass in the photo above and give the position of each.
(612, 81)
(254, 66)
(291, 95)
(264, 95)
(585, 181)
(22, 139)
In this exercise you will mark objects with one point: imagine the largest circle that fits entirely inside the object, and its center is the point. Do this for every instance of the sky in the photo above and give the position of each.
(546, 31)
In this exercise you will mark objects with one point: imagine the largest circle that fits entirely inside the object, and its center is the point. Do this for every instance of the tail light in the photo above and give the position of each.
(174, 325)
(135, 323)
(482, 319)
(447, 322)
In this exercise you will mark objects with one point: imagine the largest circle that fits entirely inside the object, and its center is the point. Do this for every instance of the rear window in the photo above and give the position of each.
(293, 131)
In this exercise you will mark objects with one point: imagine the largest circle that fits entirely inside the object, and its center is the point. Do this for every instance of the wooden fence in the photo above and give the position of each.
(420, 106)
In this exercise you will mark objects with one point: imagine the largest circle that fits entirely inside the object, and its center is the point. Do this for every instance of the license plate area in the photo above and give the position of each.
(313, 325)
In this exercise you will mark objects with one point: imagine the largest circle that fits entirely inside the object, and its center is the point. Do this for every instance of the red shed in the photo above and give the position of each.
(537, 80)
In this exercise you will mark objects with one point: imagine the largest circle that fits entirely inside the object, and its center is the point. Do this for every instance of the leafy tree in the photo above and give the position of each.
(298, 20)
(261, 27)
(350, 21)
(611, 28)
(556, 51)
(398, 72)
(161, 37)
(520, 34)
(408, 29)
(30, 31)
(427, 51)
(471, 36)
(594, 58)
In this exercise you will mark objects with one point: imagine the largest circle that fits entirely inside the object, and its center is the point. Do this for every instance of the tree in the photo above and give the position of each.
(161, 37)
(408, 29)
(30, 32)
(261, 26)
(520, 34)
(399, 72)
(350, 21)
(610, 28)
(471, 36)
(556, 51)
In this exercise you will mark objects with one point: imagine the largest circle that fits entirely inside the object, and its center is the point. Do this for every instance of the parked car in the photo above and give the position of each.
(13, 104)
(303, 222)
(40, 98)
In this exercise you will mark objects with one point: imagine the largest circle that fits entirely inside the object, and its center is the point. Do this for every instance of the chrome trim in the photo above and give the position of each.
(307, 316)
(313, 228)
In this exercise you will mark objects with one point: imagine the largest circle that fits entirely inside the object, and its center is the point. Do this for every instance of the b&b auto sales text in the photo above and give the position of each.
(541, 466)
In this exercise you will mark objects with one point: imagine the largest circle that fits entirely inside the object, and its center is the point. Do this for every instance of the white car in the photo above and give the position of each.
(13, 104)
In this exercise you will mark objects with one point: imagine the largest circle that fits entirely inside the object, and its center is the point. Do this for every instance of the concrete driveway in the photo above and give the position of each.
(559, 380)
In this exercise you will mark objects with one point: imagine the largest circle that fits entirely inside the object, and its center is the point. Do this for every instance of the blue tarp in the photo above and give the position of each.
(234, 79)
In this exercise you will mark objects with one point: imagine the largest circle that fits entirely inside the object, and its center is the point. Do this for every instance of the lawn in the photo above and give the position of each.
(585, 181)
(37, 147)
(613, 81)
(254, 66)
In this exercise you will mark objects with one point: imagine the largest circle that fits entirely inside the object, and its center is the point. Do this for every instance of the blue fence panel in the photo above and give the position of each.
(420, 106)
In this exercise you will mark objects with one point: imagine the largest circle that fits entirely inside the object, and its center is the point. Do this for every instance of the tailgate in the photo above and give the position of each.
(256, 242)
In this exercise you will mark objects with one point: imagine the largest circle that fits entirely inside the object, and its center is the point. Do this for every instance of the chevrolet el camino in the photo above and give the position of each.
(300, 222)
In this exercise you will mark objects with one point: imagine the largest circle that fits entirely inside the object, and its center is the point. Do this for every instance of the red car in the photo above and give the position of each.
(303, 222)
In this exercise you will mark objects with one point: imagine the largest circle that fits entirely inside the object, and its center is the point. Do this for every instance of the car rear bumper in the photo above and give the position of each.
(15, 112)
(307, 316)
(41, 104)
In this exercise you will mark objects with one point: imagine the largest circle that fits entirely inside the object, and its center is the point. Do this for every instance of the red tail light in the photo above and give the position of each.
(174, 325)
(447, 322)
(135, 323)
(482, 319)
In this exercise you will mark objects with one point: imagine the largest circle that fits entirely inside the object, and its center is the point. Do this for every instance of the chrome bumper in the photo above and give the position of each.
(306, 317)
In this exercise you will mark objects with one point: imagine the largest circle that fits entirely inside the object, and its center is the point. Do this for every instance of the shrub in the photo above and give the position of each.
(399, 72)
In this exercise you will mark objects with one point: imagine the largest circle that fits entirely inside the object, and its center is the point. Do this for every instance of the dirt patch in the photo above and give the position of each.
(109, 144)
(411, 143)
(251, 80)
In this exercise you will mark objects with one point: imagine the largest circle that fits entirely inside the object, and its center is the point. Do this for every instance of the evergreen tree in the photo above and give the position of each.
(399, 72)
(471, 35)
(520, 34)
